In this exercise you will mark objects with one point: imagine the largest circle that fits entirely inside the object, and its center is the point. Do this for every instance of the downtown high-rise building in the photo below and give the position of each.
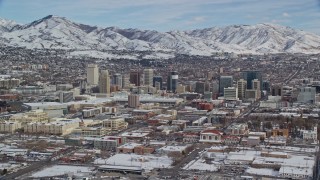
(104, 82)
(225, 82)
(249, 76)
(92, 74)
(157, 82)
(135, 78)
(172, 81)
(256, 85)
(242, 86)
(125, 81)
(148, 77)
(117, 80)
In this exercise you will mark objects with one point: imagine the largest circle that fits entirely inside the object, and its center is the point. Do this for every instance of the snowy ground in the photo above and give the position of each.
(144, 161)
(262, 171)
(58, 170)
(201, 165)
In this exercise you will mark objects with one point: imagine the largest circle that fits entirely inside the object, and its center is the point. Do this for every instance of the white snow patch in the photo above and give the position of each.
(58, 170)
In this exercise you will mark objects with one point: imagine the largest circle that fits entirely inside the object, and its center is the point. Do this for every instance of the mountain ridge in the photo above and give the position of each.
(60, 33)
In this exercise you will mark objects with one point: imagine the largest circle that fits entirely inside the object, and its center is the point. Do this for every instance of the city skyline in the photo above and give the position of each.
(169, 15)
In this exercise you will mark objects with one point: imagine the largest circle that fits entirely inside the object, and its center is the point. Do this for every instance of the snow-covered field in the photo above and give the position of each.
(58, 170)
(202, 166)
(143, 161)
(262, 171)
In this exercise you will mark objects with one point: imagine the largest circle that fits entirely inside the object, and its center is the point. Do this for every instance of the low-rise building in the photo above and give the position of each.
(310, 134)
(91, 131)
(108, 142)
(91, 112)
(238, 129)
(37, 115)
(61, 127)
(211, 136)
(9, 126)
(115, 123)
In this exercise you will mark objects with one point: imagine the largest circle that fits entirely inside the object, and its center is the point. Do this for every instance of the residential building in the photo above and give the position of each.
(9, 126)
(61, 127)
(9, 83)
(133, 100)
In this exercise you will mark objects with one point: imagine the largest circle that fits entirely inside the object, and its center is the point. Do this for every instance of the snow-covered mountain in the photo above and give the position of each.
(61, 33)
(7, 25)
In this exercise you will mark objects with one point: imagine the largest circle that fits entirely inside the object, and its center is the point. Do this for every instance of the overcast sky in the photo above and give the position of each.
(165, 15)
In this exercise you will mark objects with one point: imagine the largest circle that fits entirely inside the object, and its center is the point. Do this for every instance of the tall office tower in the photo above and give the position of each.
(117, 80)
(157, 79)
(125, 81)
(200, 87)
(172, 81)
(242, 86)
(92, 74)
(251, 75)
(148, 77)
(104, 82)
(256, 85)
(135, 78)
(225, 82)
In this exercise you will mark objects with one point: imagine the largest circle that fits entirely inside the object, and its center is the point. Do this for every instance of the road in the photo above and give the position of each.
(245, 113)
(36, 166)
(293, 75)
(173, 172)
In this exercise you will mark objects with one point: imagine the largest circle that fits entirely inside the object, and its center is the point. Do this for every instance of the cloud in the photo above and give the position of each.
(285, 14)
